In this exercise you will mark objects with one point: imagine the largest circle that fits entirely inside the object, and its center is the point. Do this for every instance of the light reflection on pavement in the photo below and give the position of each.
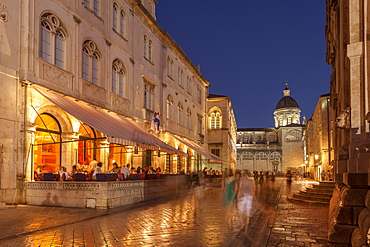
(193, 218)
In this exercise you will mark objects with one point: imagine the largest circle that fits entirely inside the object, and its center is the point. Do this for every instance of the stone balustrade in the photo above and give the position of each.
(100, 195)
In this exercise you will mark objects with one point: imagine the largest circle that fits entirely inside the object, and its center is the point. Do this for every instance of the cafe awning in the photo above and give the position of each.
(118, 129)
(200, 150)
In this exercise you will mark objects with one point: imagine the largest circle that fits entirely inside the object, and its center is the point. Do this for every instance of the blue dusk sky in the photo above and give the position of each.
(247, 49)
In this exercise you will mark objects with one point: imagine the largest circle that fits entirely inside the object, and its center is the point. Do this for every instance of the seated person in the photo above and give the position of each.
(97, 170)
(64, 175)
(115, 168)
(74, 170)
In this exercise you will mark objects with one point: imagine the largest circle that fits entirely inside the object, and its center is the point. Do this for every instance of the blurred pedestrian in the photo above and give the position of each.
(244, 195)
(288, 176)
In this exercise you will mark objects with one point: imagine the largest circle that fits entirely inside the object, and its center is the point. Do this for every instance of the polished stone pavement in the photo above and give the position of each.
(195, 217)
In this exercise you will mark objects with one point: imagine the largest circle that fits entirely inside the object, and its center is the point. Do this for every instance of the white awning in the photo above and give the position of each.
(200, 150)
(118, 129)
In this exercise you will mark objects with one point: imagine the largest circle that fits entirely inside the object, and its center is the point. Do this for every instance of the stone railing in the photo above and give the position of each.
(349, 217)
(100, 195)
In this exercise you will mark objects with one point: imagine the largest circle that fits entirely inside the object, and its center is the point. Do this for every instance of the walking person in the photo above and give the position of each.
(244, 198)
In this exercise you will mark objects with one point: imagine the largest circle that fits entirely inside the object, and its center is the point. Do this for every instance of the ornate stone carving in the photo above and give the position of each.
(93, 92)
(54, 75)
(344, 121)
(4, 13)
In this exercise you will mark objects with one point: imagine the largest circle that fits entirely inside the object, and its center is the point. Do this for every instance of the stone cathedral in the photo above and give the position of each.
(273, 149)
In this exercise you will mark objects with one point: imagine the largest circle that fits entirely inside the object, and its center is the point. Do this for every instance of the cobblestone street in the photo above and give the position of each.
(194, 218)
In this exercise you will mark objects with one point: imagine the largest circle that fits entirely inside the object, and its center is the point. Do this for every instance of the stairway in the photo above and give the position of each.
(317, 194)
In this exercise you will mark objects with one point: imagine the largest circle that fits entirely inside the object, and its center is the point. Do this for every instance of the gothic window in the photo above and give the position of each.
(94, 5)
(179, 77)
(248, 155)
(53, 40)
(145, 46)
(275, 155)
(180, 109)
(115, 16)
(122, 24)
(90, 62)
(150, 51)
(188, 114)
(215, 119)
(261, 155)
(294, 135)
(170, 107)
(118, 78)
(148, 95)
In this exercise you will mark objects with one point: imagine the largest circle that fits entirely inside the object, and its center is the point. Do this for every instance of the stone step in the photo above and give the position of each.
(322, 195)
(311, 198)
(308, 201)
(320, 190)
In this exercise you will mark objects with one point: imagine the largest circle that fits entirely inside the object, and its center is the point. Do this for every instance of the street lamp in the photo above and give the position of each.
(316, 156)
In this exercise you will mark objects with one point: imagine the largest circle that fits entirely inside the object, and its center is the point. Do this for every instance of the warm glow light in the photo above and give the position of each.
(316, 157)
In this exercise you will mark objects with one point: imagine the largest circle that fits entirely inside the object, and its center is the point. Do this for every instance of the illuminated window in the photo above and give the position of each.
(215, 119)
(289, 120)
(118, 78)
(53, 40)
(87, 145)
(90, 62)
(280, 122)
(47, 149)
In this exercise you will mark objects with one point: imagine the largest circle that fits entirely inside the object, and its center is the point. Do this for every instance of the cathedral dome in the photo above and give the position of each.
(286, 102)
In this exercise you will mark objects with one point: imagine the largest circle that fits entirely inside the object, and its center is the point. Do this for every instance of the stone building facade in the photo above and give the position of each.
(110, 56)
(347, 35)
(221, 130)
(318, 138)
(273, 149)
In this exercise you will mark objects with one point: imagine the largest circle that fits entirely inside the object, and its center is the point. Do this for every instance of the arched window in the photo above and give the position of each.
(248, 155)
(47, 146)
(150, 50)
(188, 114)
(294, 135)
(122, 24)
(90, 62)
(87, 146)
(215, 119)
(148, 95)
(145, 46)
(53, 40)
(261, 155)
(118, 78)
(115, 16)
(275, 155)
(170, 107)
(180, 109)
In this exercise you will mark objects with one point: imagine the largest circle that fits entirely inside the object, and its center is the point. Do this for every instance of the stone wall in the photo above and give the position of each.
(349, 217)
(100, 195)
